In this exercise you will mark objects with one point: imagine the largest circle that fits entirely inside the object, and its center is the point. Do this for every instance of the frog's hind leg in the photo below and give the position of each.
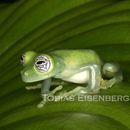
(93, 85)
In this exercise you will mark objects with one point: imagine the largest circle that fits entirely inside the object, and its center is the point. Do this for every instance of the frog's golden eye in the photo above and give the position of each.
(42, 63)
(22, 59)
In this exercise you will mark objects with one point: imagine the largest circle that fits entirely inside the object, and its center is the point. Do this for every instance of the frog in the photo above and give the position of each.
(79, 66)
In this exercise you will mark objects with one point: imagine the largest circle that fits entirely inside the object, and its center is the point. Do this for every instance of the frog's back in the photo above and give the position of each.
(78, 57)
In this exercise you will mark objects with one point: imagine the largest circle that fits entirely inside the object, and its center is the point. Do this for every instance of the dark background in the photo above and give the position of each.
(7, 1)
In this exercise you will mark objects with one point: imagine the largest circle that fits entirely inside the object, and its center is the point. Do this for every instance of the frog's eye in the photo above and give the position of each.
(22, 59)
(42, 63)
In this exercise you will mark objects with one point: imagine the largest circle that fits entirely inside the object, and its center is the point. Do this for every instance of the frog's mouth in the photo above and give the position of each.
(28, 79)
(24, 78)
(32, 77)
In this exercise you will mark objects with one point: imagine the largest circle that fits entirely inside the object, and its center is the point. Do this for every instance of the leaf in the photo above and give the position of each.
(46, 25)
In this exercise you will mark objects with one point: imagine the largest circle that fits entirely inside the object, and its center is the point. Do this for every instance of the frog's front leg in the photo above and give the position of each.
(93, 83)
(45, 91)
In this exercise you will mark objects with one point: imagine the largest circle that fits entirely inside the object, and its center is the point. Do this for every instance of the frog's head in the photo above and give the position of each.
(39, 67)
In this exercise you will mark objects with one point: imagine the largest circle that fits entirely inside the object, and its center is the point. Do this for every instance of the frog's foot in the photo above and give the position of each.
(44, 99)
(105, 84)
(41, 104)
(75, 92)
(38, 86)
(46, 96)
(58, 88)
(78, 91)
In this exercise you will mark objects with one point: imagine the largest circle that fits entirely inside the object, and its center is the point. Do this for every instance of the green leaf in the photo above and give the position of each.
(42, 25)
